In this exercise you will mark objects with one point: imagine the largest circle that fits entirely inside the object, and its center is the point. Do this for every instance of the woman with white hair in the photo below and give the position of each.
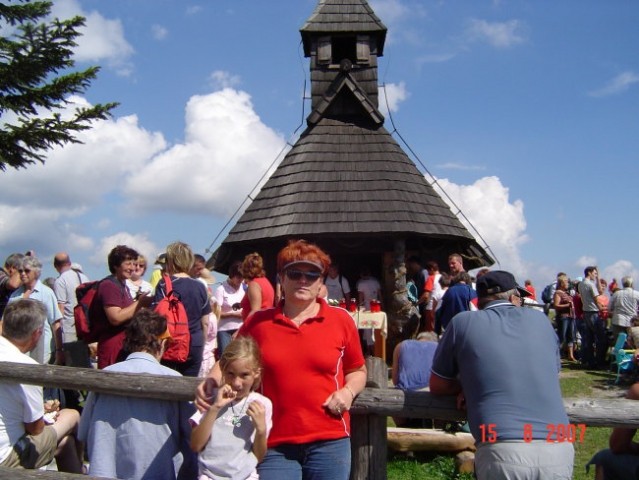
(623, 306)
(49, 348)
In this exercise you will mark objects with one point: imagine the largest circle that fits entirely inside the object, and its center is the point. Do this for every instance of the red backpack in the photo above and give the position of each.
(87, 330)
(177, 322)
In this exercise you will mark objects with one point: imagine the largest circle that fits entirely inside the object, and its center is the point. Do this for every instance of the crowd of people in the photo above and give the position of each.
(281, 365)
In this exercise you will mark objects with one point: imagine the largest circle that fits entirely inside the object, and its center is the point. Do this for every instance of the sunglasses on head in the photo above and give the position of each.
(298, 274)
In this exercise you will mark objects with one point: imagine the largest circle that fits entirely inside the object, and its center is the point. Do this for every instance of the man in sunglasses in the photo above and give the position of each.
(503, 363)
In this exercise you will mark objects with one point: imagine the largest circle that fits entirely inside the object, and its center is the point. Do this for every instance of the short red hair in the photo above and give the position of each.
(299, 250)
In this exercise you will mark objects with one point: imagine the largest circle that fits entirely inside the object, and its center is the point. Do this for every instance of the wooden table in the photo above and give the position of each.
(377, 321)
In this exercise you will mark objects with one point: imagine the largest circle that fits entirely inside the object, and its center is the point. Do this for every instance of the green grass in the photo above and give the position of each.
(423, 466)
(574, 383)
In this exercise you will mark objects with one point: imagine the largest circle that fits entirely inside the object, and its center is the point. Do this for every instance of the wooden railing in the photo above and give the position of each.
(368, 413)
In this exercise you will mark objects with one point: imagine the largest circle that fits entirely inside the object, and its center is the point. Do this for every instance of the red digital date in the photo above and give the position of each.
(565, 433)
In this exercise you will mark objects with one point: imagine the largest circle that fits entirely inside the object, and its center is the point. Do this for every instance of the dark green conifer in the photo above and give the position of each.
(36, 81)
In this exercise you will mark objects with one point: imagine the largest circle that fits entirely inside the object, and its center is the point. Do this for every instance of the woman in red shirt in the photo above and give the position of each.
(260, 293)
(312, 370)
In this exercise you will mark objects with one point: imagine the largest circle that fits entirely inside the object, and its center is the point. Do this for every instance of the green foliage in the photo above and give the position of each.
(35, 81)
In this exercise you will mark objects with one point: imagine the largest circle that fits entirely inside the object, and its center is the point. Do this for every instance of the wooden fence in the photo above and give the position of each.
(369, 412)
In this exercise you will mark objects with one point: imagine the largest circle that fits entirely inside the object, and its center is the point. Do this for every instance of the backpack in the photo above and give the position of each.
(546, 295)
(85, 329)
(177, 322)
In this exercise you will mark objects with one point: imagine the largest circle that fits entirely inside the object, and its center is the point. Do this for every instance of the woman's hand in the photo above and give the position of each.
(204, 394)
(338, 402)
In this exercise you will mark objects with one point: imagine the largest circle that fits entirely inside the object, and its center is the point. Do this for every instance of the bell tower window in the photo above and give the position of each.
(343, 48)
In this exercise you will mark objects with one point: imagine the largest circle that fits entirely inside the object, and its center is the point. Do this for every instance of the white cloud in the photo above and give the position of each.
(620, 269)
(434, 58)
(193, 10)
(391, 95)
(459, 166)
(500, 221)
(497, 34)
(102, 39)
(159, 32)
(139, 242)
(585, 261)
(226, 150)
(390, 11)
(220, 79)
(78, 175)
(619, 84)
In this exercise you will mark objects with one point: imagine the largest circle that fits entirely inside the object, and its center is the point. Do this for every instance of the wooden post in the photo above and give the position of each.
(403, 317)
(368, 432)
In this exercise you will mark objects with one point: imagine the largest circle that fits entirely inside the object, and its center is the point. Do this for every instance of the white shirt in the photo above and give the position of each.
(19, 404)
(334, 289)
(370, 288)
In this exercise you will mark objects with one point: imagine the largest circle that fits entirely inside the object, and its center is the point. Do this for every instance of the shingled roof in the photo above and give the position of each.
(343, 16)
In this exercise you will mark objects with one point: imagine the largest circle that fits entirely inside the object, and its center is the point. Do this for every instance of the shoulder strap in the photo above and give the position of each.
(167, 282)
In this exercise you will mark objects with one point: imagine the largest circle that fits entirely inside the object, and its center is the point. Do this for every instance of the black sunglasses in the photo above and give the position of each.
(311, 276)
(25, 270)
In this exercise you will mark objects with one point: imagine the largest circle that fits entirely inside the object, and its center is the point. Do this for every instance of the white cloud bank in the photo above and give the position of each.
(226, 150)
(391, 95)
(498, 34)
(617, 85)
(500, 221)
(125, 168)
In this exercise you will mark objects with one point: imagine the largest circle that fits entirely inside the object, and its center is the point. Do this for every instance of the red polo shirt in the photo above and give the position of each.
(302, 366)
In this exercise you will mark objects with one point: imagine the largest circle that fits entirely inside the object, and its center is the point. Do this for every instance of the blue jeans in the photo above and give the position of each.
(567, 331)
(323, 460)
(224, 337)
(595, 342)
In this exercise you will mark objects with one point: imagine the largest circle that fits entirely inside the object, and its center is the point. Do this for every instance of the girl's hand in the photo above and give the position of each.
(225, 395)
(257, 412)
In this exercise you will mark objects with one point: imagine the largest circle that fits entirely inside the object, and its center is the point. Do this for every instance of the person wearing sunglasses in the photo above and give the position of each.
(313, 369)
(137, 438)
(49, 348)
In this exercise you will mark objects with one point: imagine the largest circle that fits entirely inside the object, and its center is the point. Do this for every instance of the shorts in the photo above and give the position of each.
(33, 451)
(536, 460)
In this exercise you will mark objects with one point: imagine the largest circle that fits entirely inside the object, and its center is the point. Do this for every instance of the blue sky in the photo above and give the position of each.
(527, 113)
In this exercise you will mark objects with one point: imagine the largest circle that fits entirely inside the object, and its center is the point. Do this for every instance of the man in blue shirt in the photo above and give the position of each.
(503, 361)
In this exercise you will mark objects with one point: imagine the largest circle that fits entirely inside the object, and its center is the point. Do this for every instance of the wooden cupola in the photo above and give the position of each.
(343, 37)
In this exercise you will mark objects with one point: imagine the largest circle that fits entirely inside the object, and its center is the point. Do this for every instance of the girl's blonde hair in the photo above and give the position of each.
(242, 348)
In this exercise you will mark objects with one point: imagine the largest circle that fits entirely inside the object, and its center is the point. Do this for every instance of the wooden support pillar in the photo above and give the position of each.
(403, 317)
(368, 432)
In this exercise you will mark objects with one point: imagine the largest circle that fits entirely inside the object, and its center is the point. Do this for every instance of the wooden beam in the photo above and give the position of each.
(158, 387)
(20, 474)
(423, 439)
(383, 402)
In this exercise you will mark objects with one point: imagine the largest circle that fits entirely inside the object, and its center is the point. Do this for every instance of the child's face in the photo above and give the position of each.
(241, 375)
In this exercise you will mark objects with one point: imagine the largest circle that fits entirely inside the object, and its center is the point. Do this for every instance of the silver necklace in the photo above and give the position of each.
(236, 419)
